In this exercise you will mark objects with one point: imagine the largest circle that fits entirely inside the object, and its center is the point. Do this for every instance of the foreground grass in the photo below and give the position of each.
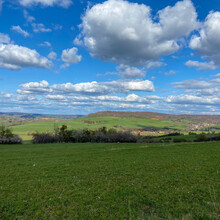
(110, 181)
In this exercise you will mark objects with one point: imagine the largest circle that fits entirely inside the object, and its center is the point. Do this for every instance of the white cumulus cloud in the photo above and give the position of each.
(88, 88)
(207, 43)
(15, 57)
(124, 32)
(35, 87)
(69, 56)
(38, 28)
(89, 95)
(52, 55)
(105, 87)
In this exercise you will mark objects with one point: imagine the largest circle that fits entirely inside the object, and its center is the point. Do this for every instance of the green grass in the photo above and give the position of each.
(110, 181)
(94, 123)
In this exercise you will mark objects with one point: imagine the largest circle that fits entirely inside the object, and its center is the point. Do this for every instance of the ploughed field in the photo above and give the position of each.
(110, 181)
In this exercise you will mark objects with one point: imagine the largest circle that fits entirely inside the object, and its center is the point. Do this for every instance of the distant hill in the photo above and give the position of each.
(24, 124)
(35, 116)
(159, 116)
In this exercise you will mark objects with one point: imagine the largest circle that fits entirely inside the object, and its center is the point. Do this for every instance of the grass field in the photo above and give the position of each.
(110, 181)
(94, 123)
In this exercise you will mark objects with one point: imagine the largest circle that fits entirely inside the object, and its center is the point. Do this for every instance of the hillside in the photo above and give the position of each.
(150, 122)
(160, 116)
(21, 115)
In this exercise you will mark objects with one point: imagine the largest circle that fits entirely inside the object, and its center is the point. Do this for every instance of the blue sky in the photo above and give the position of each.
(77, 57)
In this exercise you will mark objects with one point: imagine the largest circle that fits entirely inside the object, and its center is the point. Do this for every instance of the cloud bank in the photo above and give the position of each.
(46, 3)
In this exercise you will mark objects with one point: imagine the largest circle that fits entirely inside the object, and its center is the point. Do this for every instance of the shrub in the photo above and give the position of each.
(122, 137)
(213, 138)
(178, 140)
(166, 139)
(192, 133)
(7, 137)
(15, 139)
(174, 134)
(43, 138)
(171, 134)
(200, 137)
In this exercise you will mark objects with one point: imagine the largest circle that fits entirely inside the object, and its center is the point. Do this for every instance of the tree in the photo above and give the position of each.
(5, 132)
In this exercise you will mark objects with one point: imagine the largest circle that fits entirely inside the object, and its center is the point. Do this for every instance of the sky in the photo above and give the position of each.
(79, 57)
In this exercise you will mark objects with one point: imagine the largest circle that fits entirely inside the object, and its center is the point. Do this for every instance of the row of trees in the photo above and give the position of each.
(104, 135)
(101, 135)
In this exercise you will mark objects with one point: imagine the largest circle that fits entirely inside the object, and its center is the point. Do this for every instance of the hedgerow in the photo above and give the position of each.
(101, 135)
(104, 135)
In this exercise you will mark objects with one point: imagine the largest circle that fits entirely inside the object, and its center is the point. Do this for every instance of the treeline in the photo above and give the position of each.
(101, 135)
(104, 135)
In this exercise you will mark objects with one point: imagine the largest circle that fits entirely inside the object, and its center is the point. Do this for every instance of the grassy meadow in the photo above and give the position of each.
(94, 123)
(110, 181)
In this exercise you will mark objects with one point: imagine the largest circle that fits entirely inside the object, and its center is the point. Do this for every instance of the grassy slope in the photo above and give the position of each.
(110, 181)
(107, 121)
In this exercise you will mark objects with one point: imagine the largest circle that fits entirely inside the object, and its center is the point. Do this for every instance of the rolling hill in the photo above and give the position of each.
(150, 122)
